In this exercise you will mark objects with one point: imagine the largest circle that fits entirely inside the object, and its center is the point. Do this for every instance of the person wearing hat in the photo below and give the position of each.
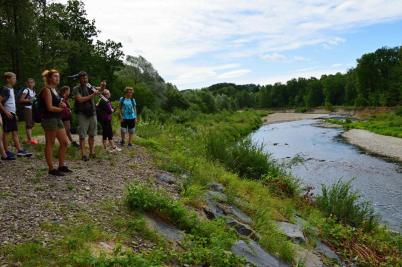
(85, 108)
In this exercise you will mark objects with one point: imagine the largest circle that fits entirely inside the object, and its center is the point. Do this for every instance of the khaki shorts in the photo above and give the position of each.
(86, 126)
(52, 124)
(28, 118)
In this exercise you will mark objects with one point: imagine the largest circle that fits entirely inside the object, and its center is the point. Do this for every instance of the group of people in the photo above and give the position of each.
(56, 116)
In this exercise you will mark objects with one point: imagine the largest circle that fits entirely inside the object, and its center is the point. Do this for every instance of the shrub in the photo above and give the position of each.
(283, 185)
(398, 111)
(346, 205)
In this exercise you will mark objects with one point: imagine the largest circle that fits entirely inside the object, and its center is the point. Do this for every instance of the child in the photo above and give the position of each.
(66, 114)
(105, 110)
(128, 115)
(26, 99)
(8, 111)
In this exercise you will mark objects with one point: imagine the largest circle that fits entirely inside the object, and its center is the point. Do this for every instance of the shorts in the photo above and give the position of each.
(52, 124)
(28, 118)
(107, 131)
(9, 125)
(86, 126)
(128, 126)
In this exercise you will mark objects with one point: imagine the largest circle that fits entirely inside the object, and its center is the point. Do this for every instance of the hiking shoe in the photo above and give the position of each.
(64, 169)
(75, 144)
(130, 145)
(8, 158)
(24, 153)
(10, 154)
(85, 158)
(55, 172)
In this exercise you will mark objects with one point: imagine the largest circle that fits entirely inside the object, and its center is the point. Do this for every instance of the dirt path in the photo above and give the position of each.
(379, 144)
(289, 116)
(29, 198)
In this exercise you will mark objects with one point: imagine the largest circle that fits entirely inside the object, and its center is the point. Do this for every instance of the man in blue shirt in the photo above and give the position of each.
(128, 115)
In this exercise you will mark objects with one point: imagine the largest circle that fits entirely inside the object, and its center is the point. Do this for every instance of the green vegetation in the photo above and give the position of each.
(346, 205)
(383, 123)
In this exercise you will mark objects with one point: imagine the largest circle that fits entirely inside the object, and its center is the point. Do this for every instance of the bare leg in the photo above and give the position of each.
(91, 143)
(130, 138)
(50, 136)
(2, 151)
(16, 141)
(67, 126)
(63, 141)
(104, 141)
(29, 134)
(82, 146)
(123, 136)
(5, 141)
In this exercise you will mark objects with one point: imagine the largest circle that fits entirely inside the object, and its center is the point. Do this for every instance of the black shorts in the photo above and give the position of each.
(9, 125)
(107, 131)
(128, 124)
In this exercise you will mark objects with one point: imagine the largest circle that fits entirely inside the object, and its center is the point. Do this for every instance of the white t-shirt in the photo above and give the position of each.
(30, 95)
(9, 105)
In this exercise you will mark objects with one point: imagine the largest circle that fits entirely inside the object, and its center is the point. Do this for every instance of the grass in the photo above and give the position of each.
(389, 123)
(346, 205)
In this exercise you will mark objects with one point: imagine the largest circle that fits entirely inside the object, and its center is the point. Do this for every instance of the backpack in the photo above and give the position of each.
(38, 109)
(122, 100)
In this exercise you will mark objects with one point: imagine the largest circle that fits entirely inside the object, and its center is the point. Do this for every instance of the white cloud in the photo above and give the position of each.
(171, 33)
(234, 74)
(274, 57)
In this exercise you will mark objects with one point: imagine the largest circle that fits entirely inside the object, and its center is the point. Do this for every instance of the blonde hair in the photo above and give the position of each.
(127, 89)
(7, 75)
(47, 75)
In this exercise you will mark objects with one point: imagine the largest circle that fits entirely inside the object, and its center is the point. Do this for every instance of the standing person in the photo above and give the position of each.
(8, 111)
(86, 114)
(105, 111)
(102, 86)
(66, 114)
(52, 123)
(128, 115)
(27, 97)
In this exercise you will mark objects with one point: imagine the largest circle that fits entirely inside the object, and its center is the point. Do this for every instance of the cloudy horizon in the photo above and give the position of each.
(197, 43)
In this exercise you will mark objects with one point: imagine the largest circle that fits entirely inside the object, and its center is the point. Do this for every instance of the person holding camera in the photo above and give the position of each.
(85, 109)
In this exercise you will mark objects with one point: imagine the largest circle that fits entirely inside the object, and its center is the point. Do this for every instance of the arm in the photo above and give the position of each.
(47, 97)
(23, 99)
(81, 99)
(3, 110)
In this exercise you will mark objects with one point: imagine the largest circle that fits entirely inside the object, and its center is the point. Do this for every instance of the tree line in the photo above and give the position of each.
(38, 35)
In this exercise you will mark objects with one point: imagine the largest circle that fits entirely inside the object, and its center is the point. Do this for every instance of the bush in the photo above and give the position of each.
(398, 111)
(283, 185)
(346, 205)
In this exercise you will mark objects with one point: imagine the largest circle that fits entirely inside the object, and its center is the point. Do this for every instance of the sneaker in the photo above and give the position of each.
(75, 144)
(64, 169)
(55, 172)
(130, 145)
(8, 158)
(85, 158)
(117, 149)
(24, 153)
(32, 142)
(10, 154)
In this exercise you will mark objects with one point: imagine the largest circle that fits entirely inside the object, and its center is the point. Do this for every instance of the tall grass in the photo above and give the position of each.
(341, 201)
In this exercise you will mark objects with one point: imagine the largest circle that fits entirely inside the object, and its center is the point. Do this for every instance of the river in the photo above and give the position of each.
(329, 158)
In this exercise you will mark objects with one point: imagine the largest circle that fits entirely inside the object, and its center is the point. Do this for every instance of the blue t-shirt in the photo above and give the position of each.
(128, 108)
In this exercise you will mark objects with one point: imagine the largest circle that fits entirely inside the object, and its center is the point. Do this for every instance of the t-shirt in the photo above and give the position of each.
(128, 108)
(87, 106)
(30, 95)
(9, 99)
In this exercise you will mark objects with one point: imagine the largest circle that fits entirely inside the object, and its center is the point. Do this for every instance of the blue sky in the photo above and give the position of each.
(197, 43)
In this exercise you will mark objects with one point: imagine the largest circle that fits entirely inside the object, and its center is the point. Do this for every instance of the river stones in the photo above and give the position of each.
(292, 231)
(256, 255)
(168, 231)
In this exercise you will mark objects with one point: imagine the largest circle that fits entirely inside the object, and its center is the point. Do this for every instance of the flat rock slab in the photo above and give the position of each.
(242, 229)
(166, 178)
(237, 213)
(216, 187)
(168, 231)
(256, 255)
(326, 251)
(308, 258)
(292, 231)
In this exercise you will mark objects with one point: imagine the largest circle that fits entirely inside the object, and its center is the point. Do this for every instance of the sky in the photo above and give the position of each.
(197, 43)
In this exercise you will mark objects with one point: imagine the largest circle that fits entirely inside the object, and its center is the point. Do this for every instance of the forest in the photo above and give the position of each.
(45, 35)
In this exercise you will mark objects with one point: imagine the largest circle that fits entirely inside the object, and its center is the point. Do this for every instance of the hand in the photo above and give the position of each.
(96, 92)
(62, 105)
(9, 115)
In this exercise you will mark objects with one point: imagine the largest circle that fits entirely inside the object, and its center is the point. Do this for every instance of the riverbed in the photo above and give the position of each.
(328, 158)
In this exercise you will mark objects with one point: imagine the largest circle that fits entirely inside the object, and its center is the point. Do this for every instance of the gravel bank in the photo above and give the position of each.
(387, 146)
(285, 116)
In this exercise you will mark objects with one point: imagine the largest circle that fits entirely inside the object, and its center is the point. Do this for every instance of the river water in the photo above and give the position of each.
(328, 158)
